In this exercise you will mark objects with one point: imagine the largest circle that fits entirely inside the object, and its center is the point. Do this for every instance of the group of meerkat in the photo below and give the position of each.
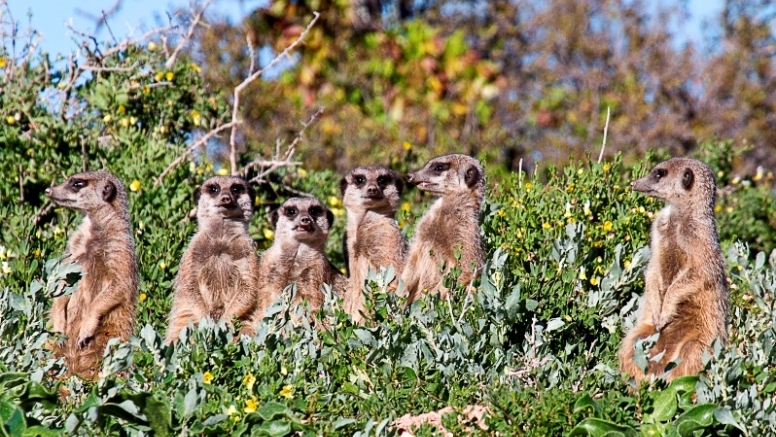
(222, 277)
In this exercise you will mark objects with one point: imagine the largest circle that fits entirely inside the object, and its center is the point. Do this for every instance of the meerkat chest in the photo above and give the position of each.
(669, 252)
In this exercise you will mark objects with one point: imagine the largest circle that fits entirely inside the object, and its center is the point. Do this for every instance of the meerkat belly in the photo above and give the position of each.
(219, 282)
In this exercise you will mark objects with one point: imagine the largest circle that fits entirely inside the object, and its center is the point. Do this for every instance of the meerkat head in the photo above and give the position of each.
(304, 219)
(450, 174)
(372, 188)
(90, 191)
(226, 197)
(679, 181)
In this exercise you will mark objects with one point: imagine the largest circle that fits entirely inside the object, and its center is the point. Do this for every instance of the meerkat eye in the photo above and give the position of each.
(238, 189)
(660, 173)
(315, 211)
(78, 183)
(359, 180)
(383, 180)
(291, 211)
(439, 168)
(213, 189)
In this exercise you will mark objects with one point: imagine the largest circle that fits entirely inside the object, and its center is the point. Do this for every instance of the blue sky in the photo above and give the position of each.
(50, 17)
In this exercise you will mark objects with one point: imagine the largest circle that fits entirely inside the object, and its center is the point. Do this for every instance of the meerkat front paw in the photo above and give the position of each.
(660, 321)
(85, 335)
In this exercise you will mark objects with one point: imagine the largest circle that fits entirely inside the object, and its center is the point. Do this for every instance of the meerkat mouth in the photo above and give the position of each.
(305, 228)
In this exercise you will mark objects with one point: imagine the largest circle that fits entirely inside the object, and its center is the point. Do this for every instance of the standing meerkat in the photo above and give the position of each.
(686, 296)
(103, 305)
(297, 255)
(372, 237)
(450, 226)
(219, 272)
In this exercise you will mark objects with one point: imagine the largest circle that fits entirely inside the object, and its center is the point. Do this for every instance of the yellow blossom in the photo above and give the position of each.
(251, 405)
(249, 380)
(736, 180)
(124, 122)
(528, 186)
(758, 175)
(142, 297)
(122, 109)
(231, 410)
(169, 76)
(580, 171)
(718, 208)
(10, 119)
(132, 120)
(642, 210)
(135, 185)
(152, 46)
(334, 201)
(501, 213)
(6, 268)
(582, 275)
(223, 171)
(302, 173)
(2, 62)
(146, 90)
(58, 231)
(287, 391)
(283, 370)
(207, 378)
(36, 253)
(546, 225)
(269, 234)
(194, 67)
(407, 146)
(594, 281)
(338, 212)
(729, 209)
(406, 207)
(626, 264)
(107, 118)
(606, 167)
(608, 226)
(720, 174)
(192, 166)
(162, 265)
(159, 76)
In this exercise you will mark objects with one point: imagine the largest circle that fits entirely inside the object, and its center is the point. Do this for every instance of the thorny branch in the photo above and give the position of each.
(255, 75)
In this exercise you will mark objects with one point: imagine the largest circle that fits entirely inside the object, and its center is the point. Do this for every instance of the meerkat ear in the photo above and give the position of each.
(197, 194)
(343, 185)
(688, 179)
(274, 217)
(109, 191)
(472, 176)
(329, 217)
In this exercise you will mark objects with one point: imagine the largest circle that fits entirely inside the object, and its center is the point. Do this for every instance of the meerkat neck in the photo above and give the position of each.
(107, 218)
(225, 226)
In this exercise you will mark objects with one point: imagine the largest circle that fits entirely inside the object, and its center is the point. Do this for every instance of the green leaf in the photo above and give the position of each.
(664, 407)
(586, 402)
(276, 428)
(344, 421)
(271, 410)
(697, 418)
(601, 428)
(12, 419)
(725, 417)
(531, 304)
(190, 402)
(40, 431)
(684, 384)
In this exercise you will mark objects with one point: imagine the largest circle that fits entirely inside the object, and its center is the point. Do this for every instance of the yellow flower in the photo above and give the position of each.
(107, 118)
(10, 119)
(142, 297)
(162, 265)
(546, 225)
(582, 275)
(269, 234)
(159, 76)
(580, 171)
(2, 62)
(501, 213)
(406, 207)
(302, 173)
(528, 186)
(249, 380)
(192, 166)
(124, 122)
(132, 120)
(407, 146)
(231, 410)
(626, 264)
(287, 391)
(223, 171)
(606, 167)
(58, 231)
(122, 109)
(334, 201)
(729, 209)
(6, 269)
(146, 90)
(169, 75)
(152, 46)
(338, 212)
(36, 253)
(194, 67)
(135, 185)
(593, 281)
(718, 208)
(736, 180)
(283, 370)
(608, 226)
(251, 405)
(207, 378)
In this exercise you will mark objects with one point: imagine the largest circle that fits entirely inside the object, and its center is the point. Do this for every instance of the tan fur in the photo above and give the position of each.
(372, 237)
(686, 295)
(297, 256)
(451, 225)
(103, 305)
(219, 272)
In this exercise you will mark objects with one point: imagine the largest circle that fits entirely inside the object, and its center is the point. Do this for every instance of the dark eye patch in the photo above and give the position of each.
(77, 184)
(439, 168)
(213, 189)
(290, 211)
(660, 173)
(238, 189)
(359, 180)
(315, 211)
(384, 180)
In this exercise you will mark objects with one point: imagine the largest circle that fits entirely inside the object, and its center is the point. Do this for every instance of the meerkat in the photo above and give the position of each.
(297, 255)
(449, 228)
(219, 272)
(103, 305)
(686, 296)
(372, 237)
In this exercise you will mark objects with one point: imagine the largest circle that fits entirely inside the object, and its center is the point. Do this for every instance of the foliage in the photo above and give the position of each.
(536, 344)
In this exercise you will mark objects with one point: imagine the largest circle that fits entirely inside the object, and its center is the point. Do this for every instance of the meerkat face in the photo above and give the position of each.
(89, 191)
(449, 174)
(224, 196)
(304, 219)
(373, 188)
(677, 180)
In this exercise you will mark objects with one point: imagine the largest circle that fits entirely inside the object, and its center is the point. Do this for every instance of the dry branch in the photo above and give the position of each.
(194, 23)
(606, 129)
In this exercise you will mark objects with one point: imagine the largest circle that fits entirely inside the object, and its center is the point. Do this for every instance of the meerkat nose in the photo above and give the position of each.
(372, 190)
(409, 178)
(48, 192)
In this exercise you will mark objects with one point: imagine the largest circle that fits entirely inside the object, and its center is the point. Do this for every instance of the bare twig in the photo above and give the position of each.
(100, 69)
(606, 129)
(186, 38)
(21, 183)
(194, 147)
(44, 211)
(239, 88)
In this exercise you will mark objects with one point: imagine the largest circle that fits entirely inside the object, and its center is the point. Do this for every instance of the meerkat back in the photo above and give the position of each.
(297, 255)
(103, 305)
(450, 228)
(372, 237)
(219, 272)
(686, 296)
